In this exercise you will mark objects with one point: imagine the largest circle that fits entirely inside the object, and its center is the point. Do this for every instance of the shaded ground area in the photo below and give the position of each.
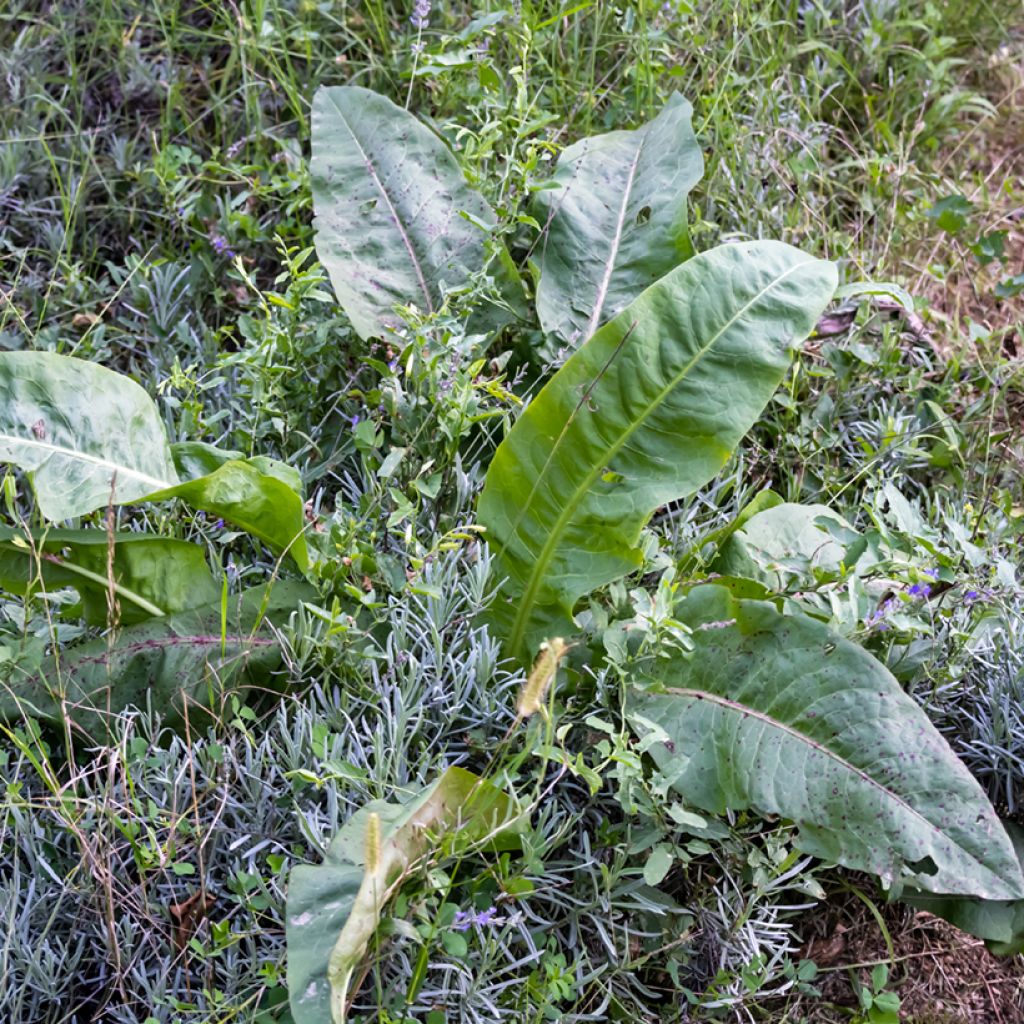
(941, 975)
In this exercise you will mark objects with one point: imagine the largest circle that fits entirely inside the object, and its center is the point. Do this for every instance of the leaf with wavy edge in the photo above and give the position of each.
(152, 576)
(334, 908)
(240, 491)
(82, 432)
(777, 714)
(645, 412)
(88, 436)
(395, 218)
(615, 220)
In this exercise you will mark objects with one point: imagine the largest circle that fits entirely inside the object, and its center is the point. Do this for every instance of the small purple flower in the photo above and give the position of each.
(420, 14)
(354, 420)
(465, 919)
(220, 245)
(971, 596)
(934, 573)
(876, 620)
(920, 590)
(219, 524)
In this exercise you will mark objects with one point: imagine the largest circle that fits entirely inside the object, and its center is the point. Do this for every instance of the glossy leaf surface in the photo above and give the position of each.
(84, 433)
(153, 576)
(395, 218)
(615, 220)
(777, 714)
(243, 492)
(645, 412)
(334, 908)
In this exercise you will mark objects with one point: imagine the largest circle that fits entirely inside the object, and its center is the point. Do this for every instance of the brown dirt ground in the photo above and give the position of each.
(987, 166)
(941, 975)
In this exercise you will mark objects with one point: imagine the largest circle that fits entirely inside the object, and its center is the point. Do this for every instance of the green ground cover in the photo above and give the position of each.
(156, 218)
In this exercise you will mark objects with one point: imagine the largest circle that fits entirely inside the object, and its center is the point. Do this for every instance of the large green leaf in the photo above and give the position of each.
(88, 435)
(252, 494)
(396, 222)
(645, 412)
(333, 909)
(789, 542)
(152, 576)
(187, 663)
(776, 713)
(999, 922)
(615, 220)
(83, 432)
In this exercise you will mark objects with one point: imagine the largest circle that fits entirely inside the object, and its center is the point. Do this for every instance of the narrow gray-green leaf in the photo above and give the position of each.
(395, 218)
(776, 713)
(183, 665)
(334, 908)
(645, 412)
(82, 432)
(615, 221)
(152, 576)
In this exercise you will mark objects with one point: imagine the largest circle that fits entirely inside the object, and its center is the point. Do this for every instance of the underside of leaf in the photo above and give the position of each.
(774, 713)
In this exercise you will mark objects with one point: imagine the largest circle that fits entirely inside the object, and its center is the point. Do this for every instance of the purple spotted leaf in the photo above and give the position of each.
(776, 714)
(397, 224)
(614, 218)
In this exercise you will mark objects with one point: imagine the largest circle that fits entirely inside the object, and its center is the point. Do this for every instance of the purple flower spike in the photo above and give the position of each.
(220, 245)
(420, 14)
(876, 620)
(465, 919)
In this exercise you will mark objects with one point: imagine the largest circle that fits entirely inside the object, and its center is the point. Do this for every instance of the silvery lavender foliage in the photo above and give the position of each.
(92, 887)
(982, 713)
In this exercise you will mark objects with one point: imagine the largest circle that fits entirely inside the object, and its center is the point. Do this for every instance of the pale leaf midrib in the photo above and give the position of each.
(540, 565)
(795, 734)
(406, 241)
(72, 453)
(605, 283)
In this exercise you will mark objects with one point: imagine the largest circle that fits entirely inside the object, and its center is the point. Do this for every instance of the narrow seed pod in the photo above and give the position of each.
(371, 848)
(531, 697)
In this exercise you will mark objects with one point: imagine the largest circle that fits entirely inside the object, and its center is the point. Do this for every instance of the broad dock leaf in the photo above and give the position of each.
(153, 576)
(83, 433)
(777, 714)
(395, 218)
(999, 922)
(184, 664)
(334, 908)
(647, 411)
(614, 220)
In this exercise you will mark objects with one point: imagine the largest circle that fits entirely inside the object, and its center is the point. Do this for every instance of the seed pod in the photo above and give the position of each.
(371, 847)
(532, 695)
